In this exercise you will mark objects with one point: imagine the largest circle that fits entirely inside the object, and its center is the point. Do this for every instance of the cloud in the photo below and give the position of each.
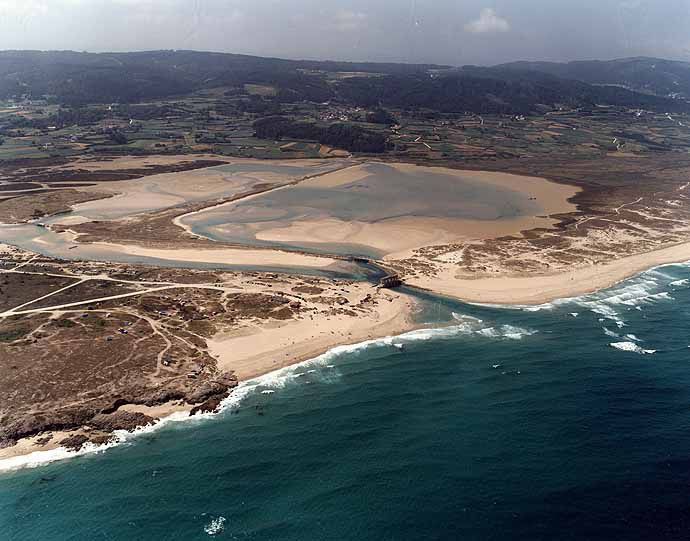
(350, 21)
(488, 22)
(26, 8)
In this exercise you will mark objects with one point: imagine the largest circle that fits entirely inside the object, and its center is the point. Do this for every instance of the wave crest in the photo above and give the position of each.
(632, 347)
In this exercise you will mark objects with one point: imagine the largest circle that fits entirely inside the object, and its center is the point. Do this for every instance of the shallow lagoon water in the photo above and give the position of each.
(384, 193)
(519, 424)
(35, 238)
(161, 191)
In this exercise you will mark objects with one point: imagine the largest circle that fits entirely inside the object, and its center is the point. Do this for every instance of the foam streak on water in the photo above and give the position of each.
(648, 288)
(632, 347)
(268, 383)
(479, 429)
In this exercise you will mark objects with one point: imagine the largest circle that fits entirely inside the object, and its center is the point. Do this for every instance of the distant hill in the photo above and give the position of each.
(648, 75)
(127, 77)
(73, 78)
(495, 91)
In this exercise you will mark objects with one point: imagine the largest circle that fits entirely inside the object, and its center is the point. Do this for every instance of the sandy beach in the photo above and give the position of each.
(250, 353)
(538, 289)
(257, 351)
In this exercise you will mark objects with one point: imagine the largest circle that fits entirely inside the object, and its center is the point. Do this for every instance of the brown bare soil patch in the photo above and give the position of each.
(30, 207)
(17, 289)
(59, 373)
(86, 291)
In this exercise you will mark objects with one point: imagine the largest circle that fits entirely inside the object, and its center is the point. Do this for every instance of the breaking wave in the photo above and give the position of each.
(268, 383)
(632, 347)
(646, 289)
(39, 458)
(216, 526)
(611, 334)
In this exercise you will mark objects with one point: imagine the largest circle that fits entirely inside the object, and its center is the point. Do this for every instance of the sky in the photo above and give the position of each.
(454, 32)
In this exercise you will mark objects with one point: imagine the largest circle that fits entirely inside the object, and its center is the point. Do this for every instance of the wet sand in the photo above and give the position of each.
(224, 256)
(165, 190)
(388, 208)
(398, 237)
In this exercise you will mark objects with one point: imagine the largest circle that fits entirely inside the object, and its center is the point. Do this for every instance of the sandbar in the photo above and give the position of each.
(224, 256)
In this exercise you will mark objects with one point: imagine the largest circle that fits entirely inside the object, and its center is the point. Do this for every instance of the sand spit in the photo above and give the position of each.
(398, 237)
(224, 256)
(541, 288)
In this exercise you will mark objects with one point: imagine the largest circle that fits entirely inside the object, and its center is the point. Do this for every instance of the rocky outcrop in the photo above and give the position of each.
(75, 442)
(210, 406)
(120, 420)
(209, 390)
(37, 424)
(210, 395)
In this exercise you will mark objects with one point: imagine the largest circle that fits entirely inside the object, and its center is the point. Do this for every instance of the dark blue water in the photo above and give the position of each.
(525, 425)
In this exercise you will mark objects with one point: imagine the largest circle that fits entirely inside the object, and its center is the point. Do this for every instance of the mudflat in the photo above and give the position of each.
(389, 208)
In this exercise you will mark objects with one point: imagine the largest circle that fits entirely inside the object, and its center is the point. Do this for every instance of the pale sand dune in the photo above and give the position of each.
(225, 256)
(170, 189)
(253, 352)
(135, 162)
(120, 163)
(538, 289)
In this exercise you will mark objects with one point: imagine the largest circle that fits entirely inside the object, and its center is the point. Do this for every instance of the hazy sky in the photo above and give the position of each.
(441, 31)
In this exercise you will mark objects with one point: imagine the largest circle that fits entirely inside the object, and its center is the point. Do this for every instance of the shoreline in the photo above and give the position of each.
(263, 351)
(544, 288)
(26, 454)
(395, 235)
(251, 195)
(395, 318)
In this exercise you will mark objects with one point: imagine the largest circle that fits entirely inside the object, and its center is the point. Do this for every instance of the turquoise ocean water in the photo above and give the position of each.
(570, 421)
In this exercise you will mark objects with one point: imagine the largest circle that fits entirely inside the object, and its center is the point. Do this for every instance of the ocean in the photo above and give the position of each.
(566, 421)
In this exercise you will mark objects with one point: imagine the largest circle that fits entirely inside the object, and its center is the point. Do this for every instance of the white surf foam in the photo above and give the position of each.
(610, 334)
(515, 333)
(632, 347)
(465, 318)
(644, 289)
(39, 458)
(216, 526)
(268, 383)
